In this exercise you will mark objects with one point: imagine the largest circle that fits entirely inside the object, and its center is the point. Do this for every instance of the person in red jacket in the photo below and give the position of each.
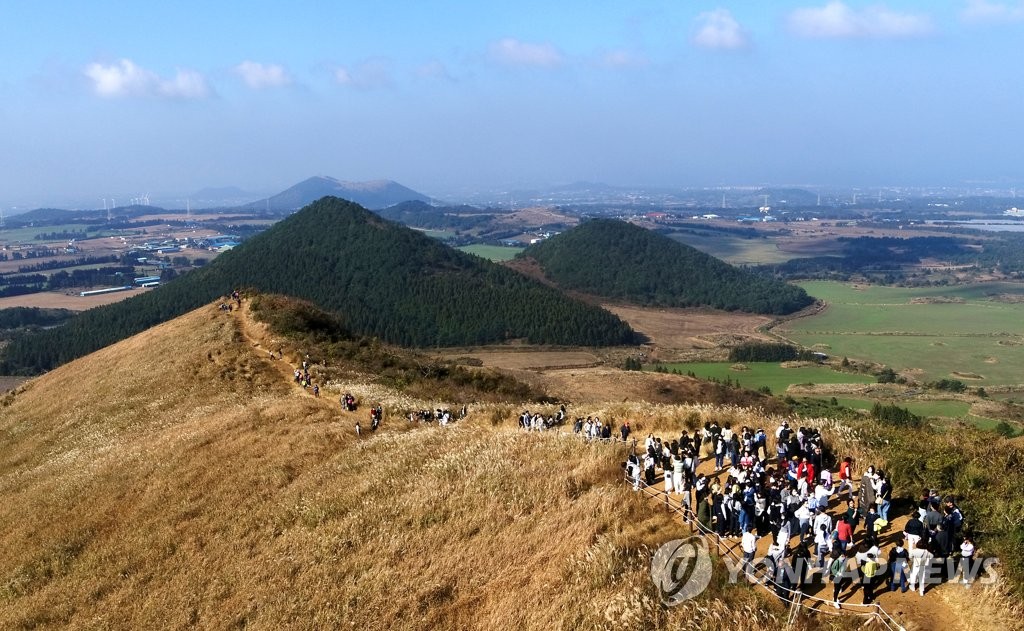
(844, 533)
(845, 476)
(805, 470)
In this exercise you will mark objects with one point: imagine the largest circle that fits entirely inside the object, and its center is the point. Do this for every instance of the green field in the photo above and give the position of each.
(771, 374)
(978, 336)
(953, 409)
(28, 233)
(777, 378)
(496, 253)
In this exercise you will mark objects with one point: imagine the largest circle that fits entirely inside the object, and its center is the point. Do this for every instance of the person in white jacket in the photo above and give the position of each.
(920, 568)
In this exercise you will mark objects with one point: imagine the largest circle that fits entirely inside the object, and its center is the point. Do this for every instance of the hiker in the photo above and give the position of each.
(883, 494)
(913, 531)
(844, 534)
(869, 525)
(845, 476)
(898, 559)
(624, 430)
(966, 559)
(748, 543)
(867, 492)
(359, 429)
(842, 570)
(633, 471)
(869, 569)
(920, 568)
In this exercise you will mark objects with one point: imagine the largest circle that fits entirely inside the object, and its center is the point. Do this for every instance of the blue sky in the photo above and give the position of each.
(125, 98)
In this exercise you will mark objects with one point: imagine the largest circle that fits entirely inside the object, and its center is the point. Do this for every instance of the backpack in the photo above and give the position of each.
(870, 569)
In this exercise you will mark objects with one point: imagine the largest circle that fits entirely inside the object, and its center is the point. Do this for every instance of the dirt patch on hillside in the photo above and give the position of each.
(685, 329)
(529, 267)
(608, 385)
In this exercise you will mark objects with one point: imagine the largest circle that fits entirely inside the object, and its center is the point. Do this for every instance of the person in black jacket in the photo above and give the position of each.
(913, 531)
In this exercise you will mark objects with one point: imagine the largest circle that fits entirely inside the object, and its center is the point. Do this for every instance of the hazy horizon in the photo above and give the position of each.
(121, 100)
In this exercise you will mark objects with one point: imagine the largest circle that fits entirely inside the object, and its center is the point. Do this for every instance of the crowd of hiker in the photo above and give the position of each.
(443, 416)
(823, 522)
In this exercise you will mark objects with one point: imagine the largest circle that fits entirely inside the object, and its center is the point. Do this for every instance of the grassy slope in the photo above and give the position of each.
(188, 484)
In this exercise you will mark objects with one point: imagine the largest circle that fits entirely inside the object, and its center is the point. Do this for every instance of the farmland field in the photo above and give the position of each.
(921, 408)
(496, 253)
(760, 374)
(733, 249)
(62, 300)
(974, 333)
(771, 374)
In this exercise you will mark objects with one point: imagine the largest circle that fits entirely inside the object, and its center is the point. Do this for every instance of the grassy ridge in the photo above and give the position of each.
(192, 486)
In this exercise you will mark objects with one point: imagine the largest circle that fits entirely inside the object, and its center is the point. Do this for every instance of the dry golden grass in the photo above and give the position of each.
(176, 480)
(179, 480)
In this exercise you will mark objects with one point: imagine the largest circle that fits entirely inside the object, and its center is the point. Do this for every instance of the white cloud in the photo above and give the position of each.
(366, 75)
(719, 30)
(186, 84)
(259, 76)
(836, 20)
(513, 52)
(985, 11)
(127, 79)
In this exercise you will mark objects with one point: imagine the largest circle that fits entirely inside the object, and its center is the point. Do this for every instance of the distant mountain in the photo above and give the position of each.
(53, 216)
(381, 278)
(372, 195)
(621, 261)
(48, 215)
